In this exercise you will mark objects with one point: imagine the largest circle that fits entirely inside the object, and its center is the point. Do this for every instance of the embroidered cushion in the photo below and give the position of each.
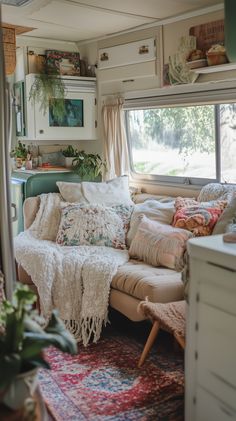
(159, 244)
(199, 218)
(95, 225)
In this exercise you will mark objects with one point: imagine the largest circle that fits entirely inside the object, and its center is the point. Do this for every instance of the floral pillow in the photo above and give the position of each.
(95, 225)
(197, 217)
(159, 244)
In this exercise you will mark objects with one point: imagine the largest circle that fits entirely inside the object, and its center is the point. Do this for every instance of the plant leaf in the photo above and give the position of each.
(10, 366)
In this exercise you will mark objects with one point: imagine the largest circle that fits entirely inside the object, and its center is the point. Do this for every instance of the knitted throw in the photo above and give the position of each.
(75, 280)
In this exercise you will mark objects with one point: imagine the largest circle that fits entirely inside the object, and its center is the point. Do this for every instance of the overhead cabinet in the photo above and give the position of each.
(126, 54)
(80, 120)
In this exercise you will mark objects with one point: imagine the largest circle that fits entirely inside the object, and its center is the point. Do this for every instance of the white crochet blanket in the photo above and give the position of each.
(75, 280)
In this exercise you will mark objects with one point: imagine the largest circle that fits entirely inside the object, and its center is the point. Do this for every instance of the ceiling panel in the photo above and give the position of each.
(157, 9)
(77, 20)
(89, 22)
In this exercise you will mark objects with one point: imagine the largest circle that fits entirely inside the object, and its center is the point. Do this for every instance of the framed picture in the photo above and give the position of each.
(19, 108)
(73, 116)
(63, 62)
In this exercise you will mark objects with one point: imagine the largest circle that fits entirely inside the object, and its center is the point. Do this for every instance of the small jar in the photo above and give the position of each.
(28, 164)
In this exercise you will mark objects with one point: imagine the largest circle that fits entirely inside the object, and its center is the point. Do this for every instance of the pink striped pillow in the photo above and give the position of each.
(159, 244)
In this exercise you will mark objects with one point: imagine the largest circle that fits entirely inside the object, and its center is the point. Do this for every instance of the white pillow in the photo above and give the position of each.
(157, 211)
(71, 192)
(109, 193)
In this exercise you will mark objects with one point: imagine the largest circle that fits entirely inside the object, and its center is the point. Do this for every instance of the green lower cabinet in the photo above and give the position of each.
(17, 189)
(25, 185)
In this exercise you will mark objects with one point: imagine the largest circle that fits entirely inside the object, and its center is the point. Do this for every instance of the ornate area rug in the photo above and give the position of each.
(103, 383)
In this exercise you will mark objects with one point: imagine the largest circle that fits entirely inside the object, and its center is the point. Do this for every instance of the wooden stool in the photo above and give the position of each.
(169, 316)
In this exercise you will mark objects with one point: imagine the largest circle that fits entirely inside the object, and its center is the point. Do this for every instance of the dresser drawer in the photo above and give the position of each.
(216, 345)
(209, 408)
(217, 287)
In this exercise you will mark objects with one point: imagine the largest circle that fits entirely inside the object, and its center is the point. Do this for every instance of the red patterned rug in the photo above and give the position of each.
(103, 383)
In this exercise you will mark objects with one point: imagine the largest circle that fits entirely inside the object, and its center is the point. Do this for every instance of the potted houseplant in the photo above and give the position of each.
(19, 153)
(70, 153)
(22, 339)
(49, 88)
(88, 166)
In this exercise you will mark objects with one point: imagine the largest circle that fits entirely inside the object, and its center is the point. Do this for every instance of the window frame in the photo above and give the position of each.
(224, 93)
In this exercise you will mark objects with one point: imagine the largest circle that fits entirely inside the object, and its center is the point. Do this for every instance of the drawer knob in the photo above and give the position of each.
(144, 49)
(104, 57)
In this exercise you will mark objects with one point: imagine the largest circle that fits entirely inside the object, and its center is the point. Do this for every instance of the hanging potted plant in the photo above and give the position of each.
(49, 88)
(88, 166)
(22, 339)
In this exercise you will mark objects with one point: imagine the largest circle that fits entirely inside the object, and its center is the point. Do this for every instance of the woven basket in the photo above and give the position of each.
(9, 47)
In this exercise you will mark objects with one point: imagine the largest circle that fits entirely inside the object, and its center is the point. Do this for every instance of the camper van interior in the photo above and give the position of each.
(118, 210)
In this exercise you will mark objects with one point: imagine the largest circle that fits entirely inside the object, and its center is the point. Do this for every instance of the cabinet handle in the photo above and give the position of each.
(144, 49)
(104, 57)
(15, 217)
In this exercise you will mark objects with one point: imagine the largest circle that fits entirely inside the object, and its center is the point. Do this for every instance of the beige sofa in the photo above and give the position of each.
(133, 282)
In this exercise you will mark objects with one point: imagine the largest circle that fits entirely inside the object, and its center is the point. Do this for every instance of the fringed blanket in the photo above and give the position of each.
(75, 280)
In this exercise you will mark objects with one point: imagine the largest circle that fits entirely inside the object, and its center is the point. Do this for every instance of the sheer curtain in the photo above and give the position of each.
(115, 142)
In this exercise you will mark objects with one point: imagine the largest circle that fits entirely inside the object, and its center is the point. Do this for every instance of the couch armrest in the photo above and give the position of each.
(30, 209)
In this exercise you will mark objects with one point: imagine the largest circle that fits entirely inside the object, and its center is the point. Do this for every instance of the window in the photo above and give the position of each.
(228, 142)
(188, 144)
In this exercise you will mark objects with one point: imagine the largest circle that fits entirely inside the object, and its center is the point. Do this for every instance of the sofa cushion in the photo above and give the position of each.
(141, 280)
(199, 218)
(71, 192)
(153, 209)
(213, 191)
(109, 193)
(94, 225)
(159, 244)
(226, 218)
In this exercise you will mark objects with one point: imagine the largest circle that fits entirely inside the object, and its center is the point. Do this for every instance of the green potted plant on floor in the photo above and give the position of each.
(88, 166)
(22, 340)
(70, 153)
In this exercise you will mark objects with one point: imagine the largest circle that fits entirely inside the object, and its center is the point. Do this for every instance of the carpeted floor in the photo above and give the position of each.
(103, 383)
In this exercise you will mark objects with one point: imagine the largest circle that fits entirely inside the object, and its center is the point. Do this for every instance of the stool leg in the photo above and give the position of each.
(180, 340)
(151, 338)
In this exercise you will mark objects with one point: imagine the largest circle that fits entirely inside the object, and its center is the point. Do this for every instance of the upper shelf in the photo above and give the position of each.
(213, 69)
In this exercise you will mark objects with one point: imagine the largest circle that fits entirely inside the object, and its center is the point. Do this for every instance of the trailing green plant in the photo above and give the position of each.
(70, 152)
(22, 337)
(89, 165)
(20, 151)
(49, 89)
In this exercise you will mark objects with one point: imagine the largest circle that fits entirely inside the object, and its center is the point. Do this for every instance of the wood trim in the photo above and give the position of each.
(19, 30)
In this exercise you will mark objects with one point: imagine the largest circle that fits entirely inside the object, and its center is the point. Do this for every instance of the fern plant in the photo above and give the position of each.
(49, 89)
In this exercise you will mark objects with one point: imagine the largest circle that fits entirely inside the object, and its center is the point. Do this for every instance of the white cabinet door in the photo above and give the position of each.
(126, 54)
(79, 122)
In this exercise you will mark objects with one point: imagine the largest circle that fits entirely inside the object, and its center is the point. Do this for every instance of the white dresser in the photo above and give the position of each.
(210, 358)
